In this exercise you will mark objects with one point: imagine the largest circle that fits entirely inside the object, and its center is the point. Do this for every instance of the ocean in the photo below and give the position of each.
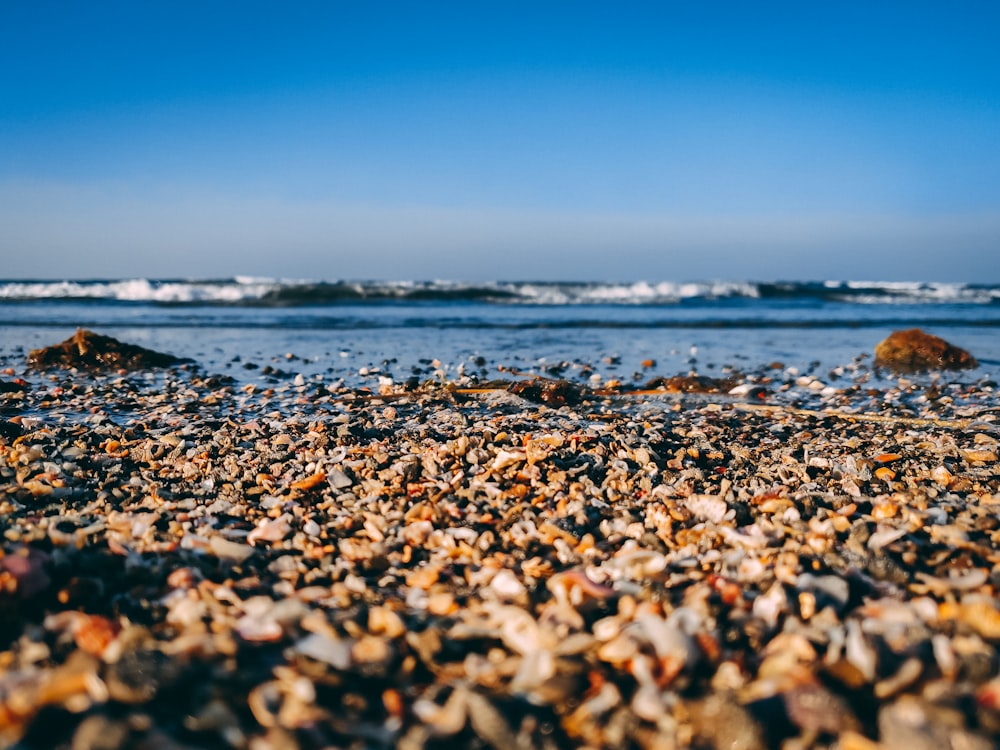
(367, 332)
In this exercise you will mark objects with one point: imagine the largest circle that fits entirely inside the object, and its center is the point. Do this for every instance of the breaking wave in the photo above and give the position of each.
(257, 292)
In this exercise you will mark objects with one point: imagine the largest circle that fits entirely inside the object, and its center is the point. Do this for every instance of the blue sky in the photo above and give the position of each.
(501, 140)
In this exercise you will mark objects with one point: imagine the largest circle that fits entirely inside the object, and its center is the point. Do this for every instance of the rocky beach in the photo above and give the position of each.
(499, 376)
(742, 560)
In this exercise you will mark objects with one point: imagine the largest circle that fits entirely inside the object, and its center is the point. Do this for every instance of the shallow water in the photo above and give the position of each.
(362, 332)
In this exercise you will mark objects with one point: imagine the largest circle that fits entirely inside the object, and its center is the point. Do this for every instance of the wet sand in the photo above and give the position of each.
(193, 562)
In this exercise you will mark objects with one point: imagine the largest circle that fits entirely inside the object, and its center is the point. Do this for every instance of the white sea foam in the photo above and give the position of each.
(139, 290)
(888, 292)
(249, 290)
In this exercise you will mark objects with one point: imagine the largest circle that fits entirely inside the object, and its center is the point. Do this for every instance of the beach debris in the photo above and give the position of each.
(693, 384)
(223, 566)
(553, 393)
(92, 351)
(17, 385)
(914, 350)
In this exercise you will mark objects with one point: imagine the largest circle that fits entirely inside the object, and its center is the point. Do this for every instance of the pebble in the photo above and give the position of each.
(741, 562)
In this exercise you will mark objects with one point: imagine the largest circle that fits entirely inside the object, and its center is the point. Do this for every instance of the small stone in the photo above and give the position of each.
(100, 733)
(309, 483)
(726, 724)
(230, 550)
(506, 585)
(984, 456)
(334, 652)
(339, 480)
(139, 674)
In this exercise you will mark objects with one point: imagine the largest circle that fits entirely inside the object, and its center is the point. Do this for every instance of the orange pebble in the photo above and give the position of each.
(393, 702)
(94, 633)
(310, 482)
(885, 473)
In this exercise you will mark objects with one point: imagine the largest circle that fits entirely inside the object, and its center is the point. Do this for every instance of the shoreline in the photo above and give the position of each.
(191, 560)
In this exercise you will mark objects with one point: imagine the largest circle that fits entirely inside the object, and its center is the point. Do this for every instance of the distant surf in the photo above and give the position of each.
(258, 292)
(343, 327)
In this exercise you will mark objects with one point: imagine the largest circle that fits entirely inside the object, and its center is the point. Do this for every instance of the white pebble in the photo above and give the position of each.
(506, 585)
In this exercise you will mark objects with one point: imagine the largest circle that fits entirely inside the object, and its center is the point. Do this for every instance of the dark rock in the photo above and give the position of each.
(9, 430)
(13, 386)
(139, 675)
(693, 384)
(913, 350)
(551, 392)
(92, 351)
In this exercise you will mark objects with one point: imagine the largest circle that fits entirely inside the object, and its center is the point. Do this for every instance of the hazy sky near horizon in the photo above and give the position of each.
(487, 140)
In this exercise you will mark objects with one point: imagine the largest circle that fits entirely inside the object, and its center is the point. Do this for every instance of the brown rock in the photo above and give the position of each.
(693, 384)
(913, 350)
(555, 393)
(92, 351)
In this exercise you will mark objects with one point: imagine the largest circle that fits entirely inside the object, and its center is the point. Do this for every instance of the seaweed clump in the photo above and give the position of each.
(91, 351)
